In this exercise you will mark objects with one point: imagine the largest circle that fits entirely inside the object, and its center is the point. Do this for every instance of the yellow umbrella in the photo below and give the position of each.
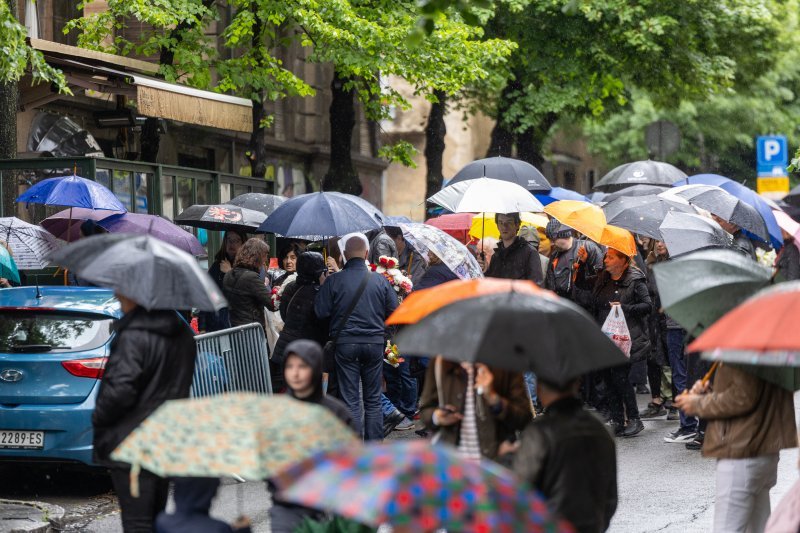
(483, 224)
(581, 216)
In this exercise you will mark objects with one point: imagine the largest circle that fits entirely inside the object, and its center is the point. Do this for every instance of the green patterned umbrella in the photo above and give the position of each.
(247, 435)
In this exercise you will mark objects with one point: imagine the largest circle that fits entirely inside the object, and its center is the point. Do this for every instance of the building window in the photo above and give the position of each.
(63, 11)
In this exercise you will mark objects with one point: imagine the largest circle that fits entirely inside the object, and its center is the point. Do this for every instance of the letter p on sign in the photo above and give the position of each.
(771, 149)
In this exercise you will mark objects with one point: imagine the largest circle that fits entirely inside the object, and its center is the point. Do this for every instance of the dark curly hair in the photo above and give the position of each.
(251, 254)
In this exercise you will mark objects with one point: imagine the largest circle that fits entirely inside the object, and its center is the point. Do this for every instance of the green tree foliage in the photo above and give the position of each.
(718, 132)
(579, 57)
(17, 57)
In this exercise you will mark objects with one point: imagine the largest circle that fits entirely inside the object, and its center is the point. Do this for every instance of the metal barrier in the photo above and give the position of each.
(232, 360)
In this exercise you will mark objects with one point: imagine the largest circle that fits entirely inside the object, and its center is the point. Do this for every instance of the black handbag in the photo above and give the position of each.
(329, 349)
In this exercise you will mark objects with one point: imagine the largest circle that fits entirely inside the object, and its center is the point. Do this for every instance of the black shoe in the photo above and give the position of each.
(390, 422)
(696, 443)
(653, 410)
(642, 389)
(634, 427)
(616, 428)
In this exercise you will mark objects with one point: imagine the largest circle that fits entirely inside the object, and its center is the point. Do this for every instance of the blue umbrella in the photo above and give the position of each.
(745, 194)
(72, 191)
(8, 268)
(559, 193)
(319, 215)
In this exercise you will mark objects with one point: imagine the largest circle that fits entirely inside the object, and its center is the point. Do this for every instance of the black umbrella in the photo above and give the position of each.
(684, 233)
(222, 217)
(639, 173)
(725, 205)
(635, 190)
(505, 169)
(643, 214)
(265, 203)
(550, 336)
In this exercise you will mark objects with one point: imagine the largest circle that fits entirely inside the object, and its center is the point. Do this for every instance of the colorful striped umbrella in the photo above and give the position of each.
(415, 486)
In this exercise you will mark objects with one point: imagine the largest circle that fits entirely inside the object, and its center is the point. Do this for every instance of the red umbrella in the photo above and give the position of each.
(762, 330)
(455, 224)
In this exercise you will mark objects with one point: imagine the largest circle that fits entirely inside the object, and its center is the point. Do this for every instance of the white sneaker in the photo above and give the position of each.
(681, 435)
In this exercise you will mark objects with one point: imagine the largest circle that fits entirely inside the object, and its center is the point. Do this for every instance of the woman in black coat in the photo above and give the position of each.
(787, 264)
(297, 312)
(621, 282)
(246, 293)
(223, 263)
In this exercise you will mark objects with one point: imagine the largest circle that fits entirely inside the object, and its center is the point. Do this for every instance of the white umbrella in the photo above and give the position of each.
(486, 195)
(30, 245)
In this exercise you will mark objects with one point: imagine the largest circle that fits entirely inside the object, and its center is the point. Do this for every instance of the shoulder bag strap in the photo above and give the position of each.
(353, 303)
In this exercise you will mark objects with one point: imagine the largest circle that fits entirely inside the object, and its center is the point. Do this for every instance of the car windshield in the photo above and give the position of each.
(25, 331)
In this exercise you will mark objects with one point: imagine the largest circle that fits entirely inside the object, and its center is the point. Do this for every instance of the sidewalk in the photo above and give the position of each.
(28, 517)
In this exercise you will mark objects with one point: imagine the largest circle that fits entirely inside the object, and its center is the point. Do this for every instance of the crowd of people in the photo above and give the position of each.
(330, 348)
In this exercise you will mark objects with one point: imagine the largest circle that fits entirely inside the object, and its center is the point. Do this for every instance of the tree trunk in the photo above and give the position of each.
(9, 102)
(503, 137)
(435, 131)
(258, 143)
(530, 143)
(342, 175)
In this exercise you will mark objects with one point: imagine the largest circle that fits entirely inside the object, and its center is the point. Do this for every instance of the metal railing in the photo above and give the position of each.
(232, 360)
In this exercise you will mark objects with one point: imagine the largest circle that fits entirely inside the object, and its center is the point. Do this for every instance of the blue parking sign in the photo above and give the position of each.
(772, 155)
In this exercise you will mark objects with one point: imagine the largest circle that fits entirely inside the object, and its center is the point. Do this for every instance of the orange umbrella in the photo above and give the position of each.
(587, 218)
(619, 239)
(420, 304)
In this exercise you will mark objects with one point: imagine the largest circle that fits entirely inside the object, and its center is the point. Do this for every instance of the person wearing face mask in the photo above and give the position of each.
(620, 282)
(303, 375)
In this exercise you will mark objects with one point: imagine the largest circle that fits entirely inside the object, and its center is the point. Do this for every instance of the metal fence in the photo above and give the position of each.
(232, 360)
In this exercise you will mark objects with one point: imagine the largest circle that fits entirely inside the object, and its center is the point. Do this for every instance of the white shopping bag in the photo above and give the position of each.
(617, 329)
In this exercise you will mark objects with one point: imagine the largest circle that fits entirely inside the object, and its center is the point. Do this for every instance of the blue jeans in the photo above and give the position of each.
(387, 407)
(362, 364)
(677, 361)
(401, 388)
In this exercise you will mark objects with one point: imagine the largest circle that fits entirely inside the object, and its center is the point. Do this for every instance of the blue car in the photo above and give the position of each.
(53, 345)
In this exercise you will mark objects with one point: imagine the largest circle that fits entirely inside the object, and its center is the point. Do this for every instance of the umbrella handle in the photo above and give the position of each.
(710, 372)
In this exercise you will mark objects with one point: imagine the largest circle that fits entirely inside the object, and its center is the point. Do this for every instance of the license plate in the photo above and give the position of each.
(22, 440)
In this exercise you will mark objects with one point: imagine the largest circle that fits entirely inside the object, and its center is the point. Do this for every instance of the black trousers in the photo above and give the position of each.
(654, 377)
(139, 514)
(621, 398)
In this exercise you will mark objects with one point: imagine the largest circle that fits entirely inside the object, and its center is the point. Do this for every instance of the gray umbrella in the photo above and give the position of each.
(153, 273)
(638, 173)
(725, 205)
(643, 214)
(700, 287)
(635, 190)
(257, 201)
(552, 337)
(685, 232)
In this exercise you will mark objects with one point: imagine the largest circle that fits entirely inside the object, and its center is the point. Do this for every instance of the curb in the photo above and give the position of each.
(28, 516)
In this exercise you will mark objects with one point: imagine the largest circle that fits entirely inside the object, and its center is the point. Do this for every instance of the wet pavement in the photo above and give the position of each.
(663, 488)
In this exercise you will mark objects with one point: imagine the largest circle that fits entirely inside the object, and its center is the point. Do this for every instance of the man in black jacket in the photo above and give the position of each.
(360, 338)
(570, 457)
(151, 361)
(514, 257)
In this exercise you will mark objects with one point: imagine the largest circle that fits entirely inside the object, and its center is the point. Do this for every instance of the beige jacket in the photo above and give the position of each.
(747, 416)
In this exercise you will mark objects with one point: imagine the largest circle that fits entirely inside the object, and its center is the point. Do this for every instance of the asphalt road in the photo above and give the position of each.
(663, 488)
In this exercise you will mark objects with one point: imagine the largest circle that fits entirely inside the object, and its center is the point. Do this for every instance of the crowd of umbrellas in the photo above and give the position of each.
(312, 457)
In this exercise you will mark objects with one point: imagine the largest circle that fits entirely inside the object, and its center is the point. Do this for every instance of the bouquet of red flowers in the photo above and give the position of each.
(399, 280)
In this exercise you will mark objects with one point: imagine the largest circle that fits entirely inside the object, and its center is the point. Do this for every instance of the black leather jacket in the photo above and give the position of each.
(151, 361)
(247, 296)
(570, 457)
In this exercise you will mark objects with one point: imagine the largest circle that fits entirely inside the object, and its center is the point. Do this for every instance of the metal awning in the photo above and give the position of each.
(111, 74)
